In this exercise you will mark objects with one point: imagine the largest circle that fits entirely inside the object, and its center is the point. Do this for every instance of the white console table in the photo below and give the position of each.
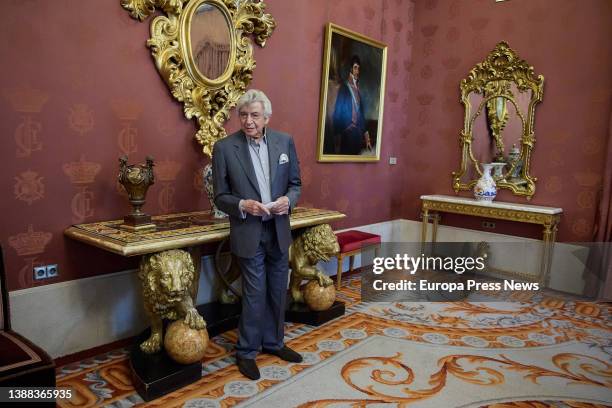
(548, 217)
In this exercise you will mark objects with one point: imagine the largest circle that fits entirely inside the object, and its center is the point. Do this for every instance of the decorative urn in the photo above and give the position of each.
(136, 179)
(485, 188)
(208, 185)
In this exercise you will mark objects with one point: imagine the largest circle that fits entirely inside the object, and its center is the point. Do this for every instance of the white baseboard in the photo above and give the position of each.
(68, 317)
(510, 253)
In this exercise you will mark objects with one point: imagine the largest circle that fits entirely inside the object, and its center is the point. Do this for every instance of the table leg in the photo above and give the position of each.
(434, 228)
(548, 241)
(550, 235)
(424, 222)
(339, 271)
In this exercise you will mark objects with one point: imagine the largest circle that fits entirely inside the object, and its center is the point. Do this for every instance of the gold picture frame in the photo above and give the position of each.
(351, 112)
(230, 25)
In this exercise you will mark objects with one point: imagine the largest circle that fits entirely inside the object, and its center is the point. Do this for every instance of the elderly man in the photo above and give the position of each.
(257, 183)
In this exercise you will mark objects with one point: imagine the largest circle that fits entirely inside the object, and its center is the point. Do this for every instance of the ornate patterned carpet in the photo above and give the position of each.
(533, 351)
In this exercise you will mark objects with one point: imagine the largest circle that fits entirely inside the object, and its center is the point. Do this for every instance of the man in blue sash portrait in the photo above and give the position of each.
(349, 118)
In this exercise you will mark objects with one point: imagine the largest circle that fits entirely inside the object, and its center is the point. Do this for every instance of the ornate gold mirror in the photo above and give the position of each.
(499, 95)
(203, 51)
(209, 42)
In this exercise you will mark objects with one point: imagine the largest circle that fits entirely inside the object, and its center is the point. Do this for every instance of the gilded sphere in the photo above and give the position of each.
(319, 298)
(184, 344)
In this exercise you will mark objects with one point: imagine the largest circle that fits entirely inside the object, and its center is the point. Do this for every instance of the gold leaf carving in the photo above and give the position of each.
(206, 101)
(491, 79)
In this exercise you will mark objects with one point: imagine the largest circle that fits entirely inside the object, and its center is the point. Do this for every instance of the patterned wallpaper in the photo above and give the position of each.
(568, 43)
(79, 89)
(83, 91)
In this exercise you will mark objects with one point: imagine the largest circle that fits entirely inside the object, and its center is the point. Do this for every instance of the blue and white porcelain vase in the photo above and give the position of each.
(208, 185)
(485, 188)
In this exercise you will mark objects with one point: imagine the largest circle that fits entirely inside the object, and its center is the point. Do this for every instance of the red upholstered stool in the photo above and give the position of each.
(351, 243)
(22, 363)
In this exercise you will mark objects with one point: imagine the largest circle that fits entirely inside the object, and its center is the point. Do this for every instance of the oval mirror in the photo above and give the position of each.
(203, 50)
(211, 41)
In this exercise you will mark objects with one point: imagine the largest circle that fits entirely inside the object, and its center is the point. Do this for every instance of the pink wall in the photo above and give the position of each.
(567, 41)
(78, 84)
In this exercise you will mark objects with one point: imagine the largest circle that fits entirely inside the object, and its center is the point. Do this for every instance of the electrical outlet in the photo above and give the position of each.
(46, 272)
(40, 272)
(488, 224)
(392, 160)
(52, 271)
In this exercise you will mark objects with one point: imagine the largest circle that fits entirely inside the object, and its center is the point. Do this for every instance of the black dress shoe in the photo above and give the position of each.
(248, 368)
(286, 354)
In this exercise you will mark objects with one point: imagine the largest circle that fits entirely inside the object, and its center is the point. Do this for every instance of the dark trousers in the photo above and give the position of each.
(264, 290)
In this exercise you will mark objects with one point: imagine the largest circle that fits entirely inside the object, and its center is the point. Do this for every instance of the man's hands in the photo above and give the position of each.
(254, 208)
(279, 207)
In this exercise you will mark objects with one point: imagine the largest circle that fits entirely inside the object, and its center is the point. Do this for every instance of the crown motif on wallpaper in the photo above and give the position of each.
(81, 172)
(30, 242)
(27, 99)
(587, 178)
(425, 99)
(167, 170)
(126, 109)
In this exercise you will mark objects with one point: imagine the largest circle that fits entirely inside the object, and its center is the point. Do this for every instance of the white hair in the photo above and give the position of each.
(255, 95)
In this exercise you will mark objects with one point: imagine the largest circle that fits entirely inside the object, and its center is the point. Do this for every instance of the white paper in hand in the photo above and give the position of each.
(272, 204)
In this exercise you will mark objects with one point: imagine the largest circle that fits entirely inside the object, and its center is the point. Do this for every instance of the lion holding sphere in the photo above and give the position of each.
(318, 243)
(169, 287)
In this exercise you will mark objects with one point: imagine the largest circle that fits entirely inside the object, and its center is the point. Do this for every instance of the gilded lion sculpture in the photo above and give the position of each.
(315, 244)
(318, 243)
(169, 287)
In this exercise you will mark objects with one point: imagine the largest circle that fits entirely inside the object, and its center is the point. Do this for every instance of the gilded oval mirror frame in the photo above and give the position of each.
(214, 50)
(508, 90)
(205, 99)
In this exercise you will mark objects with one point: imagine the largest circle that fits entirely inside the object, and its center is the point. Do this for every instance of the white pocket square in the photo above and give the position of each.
(283, 159)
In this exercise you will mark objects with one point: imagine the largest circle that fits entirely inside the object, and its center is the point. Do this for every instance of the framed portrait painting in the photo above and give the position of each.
(352, 96)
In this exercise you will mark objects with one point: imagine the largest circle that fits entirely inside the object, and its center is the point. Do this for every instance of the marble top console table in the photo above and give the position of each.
(154, 375)
(548, 217)
(179, 230)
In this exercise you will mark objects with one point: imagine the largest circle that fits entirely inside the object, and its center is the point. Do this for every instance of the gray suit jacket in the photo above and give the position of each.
(234, 179)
